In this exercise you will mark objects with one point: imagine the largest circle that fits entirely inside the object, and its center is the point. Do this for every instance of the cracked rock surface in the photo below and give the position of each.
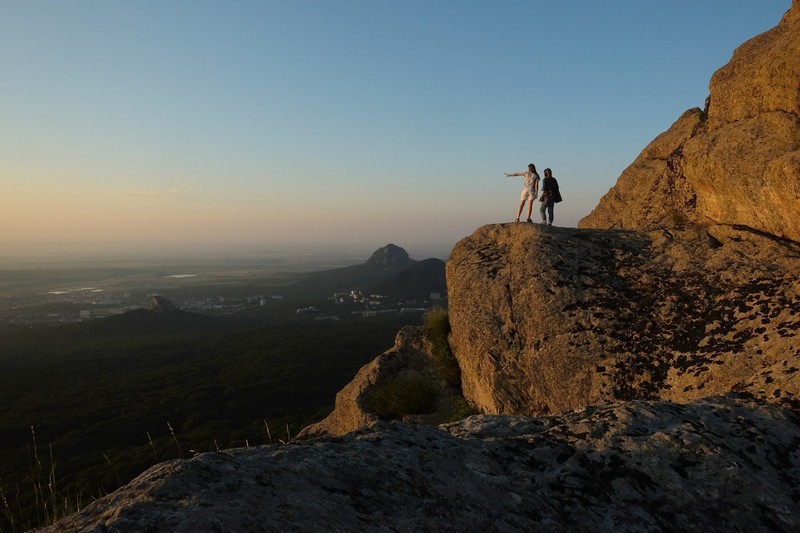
(721, 464)
(546, 320)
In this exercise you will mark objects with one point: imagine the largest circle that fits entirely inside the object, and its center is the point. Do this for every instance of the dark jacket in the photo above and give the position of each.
(550, 187)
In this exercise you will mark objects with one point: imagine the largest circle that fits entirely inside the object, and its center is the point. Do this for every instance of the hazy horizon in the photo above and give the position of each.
(356, 122)
(19, 253)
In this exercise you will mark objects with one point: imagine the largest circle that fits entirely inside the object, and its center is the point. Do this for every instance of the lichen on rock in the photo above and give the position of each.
(546, 320)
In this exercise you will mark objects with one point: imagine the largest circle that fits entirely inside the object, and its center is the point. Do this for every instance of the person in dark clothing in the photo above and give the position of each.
(550, 196)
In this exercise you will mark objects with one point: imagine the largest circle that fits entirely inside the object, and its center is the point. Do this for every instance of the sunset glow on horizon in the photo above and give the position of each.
(352, 122)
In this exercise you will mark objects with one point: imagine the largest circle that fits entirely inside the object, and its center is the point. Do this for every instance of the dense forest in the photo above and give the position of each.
(89, 406)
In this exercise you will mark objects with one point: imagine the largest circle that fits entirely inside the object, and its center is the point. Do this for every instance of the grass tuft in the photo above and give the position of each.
(48, 502)
(175, 438)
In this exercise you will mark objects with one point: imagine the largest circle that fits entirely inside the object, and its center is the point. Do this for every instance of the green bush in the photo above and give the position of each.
(437, 327)
(460, 409)
(409, 394)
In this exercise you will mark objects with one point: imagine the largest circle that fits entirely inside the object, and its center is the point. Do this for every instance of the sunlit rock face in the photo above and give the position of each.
(762, 77)
(546, 319)
(737, 162)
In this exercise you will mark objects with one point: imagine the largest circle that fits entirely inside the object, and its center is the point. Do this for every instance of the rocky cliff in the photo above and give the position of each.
(546, 320)
(412, 361)
(737, 162)
(688, 288)
(650, 361)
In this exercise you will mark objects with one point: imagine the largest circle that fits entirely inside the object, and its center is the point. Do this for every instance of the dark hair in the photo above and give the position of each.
(547, 172)
(532, 165)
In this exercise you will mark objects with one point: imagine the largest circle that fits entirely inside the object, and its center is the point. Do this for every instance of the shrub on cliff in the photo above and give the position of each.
(437, 327)
(408, 394)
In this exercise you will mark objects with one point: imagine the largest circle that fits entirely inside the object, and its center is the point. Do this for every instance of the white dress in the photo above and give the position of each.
(528, 192)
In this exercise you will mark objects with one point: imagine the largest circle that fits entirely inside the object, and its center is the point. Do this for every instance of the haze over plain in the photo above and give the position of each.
(151, 125)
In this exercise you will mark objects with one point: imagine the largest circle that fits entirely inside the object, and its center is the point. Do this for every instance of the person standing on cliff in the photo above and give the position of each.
(550, 196)
(529, 190)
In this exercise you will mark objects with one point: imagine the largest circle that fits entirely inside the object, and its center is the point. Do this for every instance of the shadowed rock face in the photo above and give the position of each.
(390, 256)
(545, 319)
(411, 355)
(737, 163)
(160, 304)
(716, 465)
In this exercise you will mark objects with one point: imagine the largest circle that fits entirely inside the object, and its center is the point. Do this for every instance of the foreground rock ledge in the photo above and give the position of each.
(715, 465)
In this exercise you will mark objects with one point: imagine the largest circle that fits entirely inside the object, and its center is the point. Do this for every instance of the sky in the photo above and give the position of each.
(136, 124)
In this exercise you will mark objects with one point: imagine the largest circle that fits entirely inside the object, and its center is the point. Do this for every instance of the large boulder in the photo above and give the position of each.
(737, 162)
(716, 465)
(547, 319)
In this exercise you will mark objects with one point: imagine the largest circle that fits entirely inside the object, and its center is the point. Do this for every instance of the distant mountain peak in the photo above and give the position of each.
(389, 257)
(160, 304)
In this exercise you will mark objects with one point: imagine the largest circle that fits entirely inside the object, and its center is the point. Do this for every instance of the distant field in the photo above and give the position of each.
(40, 277)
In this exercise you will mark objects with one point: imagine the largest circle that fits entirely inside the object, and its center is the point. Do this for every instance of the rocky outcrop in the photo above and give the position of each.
(715, 465)
(546, 320)
(159, 304)
(390, 257)
(738, 162)
(411, 358)
(762, 77)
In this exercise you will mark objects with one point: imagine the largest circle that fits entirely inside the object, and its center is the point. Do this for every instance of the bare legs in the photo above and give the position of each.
(530, 209)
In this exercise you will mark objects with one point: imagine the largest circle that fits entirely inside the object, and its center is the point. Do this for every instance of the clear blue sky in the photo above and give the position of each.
(354, 121)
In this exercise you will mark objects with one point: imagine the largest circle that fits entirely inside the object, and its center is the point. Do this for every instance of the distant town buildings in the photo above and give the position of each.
(357, 304)
(227, 304)
(90, 303)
